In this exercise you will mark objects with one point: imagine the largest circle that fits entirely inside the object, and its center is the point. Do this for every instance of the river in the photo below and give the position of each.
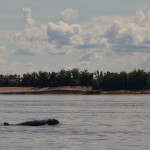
(102, 122)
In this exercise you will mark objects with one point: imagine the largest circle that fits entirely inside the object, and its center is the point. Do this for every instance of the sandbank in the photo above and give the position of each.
(65, 90)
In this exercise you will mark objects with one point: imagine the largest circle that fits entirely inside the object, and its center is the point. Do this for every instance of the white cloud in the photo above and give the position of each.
(69, 14)
(28, 16)
(128, 37)
(103, 34)
(38, 38)
(31, 34)
(62, 33)
(94, 42)
(111, 41)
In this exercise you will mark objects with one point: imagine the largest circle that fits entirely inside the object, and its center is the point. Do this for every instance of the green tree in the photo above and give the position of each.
(137, 80)
(43, 79)
(98, 80)
(75, 74)
(86, 78)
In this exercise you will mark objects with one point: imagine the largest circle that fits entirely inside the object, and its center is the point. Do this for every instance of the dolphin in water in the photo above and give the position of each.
(36, 123)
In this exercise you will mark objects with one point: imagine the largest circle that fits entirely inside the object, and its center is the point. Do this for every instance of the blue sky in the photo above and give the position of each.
(52, 35)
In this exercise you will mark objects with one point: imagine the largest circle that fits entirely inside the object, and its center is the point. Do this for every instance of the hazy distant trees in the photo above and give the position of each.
(135, 80)
(10, 80)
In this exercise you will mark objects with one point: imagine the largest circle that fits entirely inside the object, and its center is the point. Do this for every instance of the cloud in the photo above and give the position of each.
(62, 33)
(69, 14)
(52, 50)
(23, 52)
(107, 41)
(132, 36)
(107, 38)
(28, 16)
(91, 56)
(100, 34)
(39, 38)
(32, 34)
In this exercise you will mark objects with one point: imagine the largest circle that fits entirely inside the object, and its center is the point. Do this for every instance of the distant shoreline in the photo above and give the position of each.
(83, 90)
(45, 90)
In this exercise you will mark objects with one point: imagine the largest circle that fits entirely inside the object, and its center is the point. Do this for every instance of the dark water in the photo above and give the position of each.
(87, 122)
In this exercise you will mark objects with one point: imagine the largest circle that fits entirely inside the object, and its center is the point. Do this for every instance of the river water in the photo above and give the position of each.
(102, 122)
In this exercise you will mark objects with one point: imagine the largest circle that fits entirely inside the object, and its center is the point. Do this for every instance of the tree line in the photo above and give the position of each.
(134, 80)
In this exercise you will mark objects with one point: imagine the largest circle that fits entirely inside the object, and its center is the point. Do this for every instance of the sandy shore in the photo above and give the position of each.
(63, 90)
(45, 90)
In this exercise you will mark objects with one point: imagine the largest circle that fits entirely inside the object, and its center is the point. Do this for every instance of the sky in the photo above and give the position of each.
(48, 35)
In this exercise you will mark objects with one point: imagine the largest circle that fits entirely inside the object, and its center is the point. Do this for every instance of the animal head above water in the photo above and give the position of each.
(53, 121)
(6, 124)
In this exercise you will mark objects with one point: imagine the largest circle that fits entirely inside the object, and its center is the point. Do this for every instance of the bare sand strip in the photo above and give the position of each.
(64, 90)
(45, 90)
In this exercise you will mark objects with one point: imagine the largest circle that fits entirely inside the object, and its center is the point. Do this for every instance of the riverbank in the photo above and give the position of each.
(45, 90)
(119, 92)
(64, 90)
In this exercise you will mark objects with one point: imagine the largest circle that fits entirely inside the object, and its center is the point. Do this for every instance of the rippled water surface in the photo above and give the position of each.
(100, 122)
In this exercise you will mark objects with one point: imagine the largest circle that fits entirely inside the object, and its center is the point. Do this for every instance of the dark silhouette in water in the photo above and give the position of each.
(36, 123)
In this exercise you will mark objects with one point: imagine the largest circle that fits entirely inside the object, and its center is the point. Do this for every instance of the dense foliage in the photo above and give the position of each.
(135, 80)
